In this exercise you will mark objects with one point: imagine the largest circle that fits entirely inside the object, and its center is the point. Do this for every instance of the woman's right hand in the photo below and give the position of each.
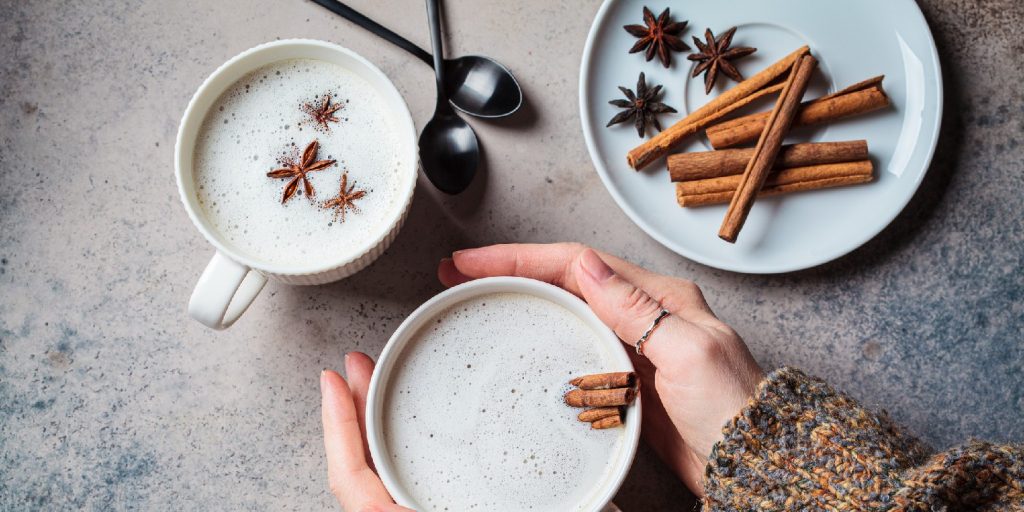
(696, 372)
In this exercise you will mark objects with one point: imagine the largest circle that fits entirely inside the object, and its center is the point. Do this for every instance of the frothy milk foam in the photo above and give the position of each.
(258, 120)
(474, 417)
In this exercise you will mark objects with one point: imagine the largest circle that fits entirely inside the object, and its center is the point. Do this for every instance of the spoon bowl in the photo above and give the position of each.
(482, 87)
(449, 152)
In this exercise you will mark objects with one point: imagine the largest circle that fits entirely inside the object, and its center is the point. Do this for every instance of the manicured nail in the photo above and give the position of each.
(594, 266)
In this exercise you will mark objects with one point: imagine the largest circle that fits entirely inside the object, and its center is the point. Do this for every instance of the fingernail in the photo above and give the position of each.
(347, 354)
(458, 252)
(594, 266)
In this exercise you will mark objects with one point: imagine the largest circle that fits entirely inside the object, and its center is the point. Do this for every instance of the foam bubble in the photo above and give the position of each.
(474, 417)
(258, 120)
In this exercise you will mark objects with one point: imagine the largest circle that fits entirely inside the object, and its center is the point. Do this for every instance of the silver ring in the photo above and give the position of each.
(647, 334)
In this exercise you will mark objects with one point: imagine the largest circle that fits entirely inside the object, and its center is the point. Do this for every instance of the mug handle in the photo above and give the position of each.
(224, 292)
(611, 507)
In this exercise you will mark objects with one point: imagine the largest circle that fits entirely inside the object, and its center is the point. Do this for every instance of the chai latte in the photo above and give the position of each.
(261, 120)
(474, 416)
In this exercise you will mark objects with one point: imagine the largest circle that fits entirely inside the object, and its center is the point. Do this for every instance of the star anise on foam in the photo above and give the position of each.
(658, 36)
(641, 107)
(324, 113)
(297, 170)
(715, 56)
(345, 200)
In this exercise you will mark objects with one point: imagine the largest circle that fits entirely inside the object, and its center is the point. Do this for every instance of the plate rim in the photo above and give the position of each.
(934, 131)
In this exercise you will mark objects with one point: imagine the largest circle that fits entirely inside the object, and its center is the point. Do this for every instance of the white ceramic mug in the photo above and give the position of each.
(376, 399)
(232, 280)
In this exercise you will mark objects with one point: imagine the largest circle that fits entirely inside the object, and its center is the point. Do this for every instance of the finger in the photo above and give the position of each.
(554, 263)
(630, 311)
(359, 368)
(351, 480)
(388, 507)
(342, 436)
(660, 433)
(449, 275)
(549, 263)
(658, 429)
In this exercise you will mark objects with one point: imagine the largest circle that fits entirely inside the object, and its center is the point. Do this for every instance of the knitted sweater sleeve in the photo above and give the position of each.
(800, 445)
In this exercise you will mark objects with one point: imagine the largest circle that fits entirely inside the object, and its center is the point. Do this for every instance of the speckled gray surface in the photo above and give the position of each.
(111, 398)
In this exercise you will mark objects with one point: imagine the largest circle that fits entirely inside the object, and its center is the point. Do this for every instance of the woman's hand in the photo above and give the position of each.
(349, 468)
(696, 372)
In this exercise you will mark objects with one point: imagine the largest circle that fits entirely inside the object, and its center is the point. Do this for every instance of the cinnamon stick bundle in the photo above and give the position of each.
(605, 394)
(605, 381)
(861, 98)
(739, 96)
(720, 190)
(600, 397)
(727, 162)
(768, 147)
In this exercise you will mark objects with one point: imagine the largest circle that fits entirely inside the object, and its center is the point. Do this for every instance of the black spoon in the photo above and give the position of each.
(478, 86)
(449, 151)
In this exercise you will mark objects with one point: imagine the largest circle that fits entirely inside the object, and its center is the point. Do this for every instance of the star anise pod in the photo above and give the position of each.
(345, 200)
(297, 171)
(324, 113)
(715, 56)
(641, 107)
(658, 36)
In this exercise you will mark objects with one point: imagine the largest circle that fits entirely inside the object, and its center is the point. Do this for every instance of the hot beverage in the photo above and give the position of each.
(475, 417)
(339, 205)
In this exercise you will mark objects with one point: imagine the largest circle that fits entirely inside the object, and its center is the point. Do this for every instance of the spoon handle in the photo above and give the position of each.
(436, 45)
(359, 19)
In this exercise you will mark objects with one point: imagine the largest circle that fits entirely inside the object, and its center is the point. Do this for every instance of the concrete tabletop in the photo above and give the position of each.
(111, 398)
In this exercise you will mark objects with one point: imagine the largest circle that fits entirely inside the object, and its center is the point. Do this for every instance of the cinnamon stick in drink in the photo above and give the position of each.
(861, 98)
(605, 380)
(600, 397)
(609, 422)
(739, 96)
(592, 415)
(720, 190)
(768, 148)
(727, 162)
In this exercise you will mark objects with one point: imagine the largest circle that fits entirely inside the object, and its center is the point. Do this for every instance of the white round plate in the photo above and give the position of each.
(853, 41)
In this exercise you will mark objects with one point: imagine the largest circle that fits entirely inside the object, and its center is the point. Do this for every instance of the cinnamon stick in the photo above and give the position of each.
(739, 96)
(599, 397)
(767, 148)
(609, 422)
(798, 179)
(727, 162)
(592, 415)
(605, 380)
(861, 98)
(875, 81)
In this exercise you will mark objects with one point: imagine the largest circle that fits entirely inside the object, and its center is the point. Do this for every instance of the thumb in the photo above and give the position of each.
(630, 311)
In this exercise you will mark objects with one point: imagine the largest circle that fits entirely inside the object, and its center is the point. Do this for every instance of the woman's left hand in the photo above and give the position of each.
(349, 468)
